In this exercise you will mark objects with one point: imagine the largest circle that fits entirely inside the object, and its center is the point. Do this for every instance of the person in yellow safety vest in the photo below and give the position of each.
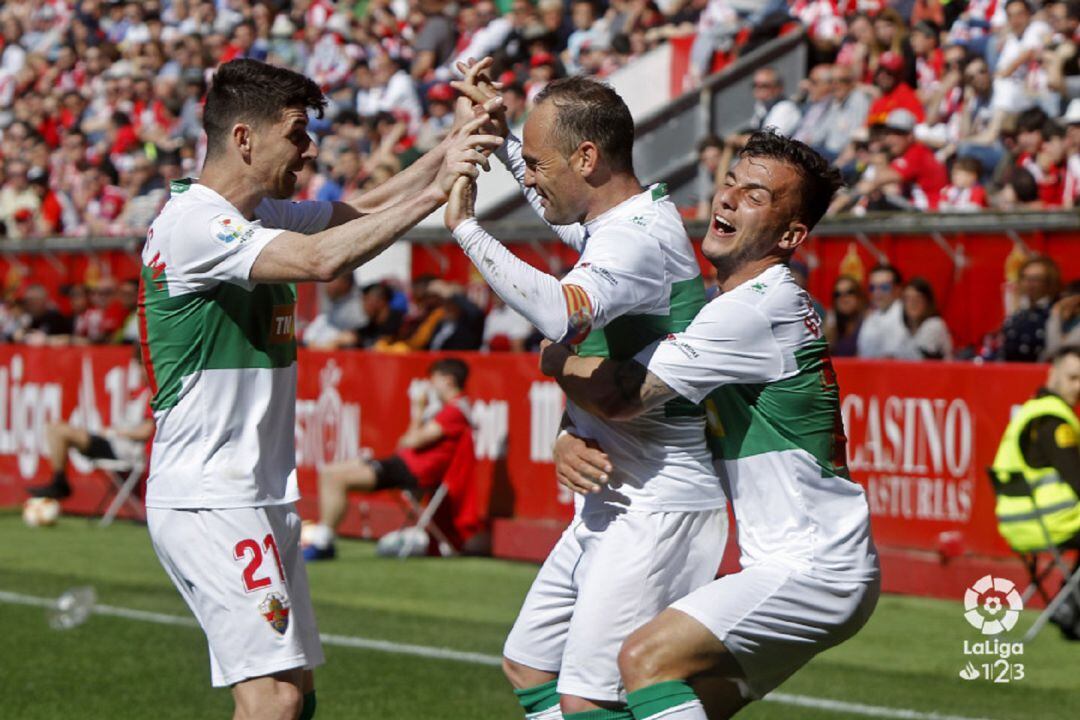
(1037, 468)
(1037, 464)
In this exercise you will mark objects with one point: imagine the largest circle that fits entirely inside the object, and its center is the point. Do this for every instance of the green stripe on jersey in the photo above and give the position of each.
(624, 337)
(801, 412)
(224, 328)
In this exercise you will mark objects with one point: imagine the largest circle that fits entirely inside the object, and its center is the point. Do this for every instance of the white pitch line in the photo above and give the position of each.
(875, 711)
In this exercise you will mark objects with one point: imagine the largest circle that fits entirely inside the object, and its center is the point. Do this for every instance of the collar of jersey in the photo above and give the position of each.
(617, 212)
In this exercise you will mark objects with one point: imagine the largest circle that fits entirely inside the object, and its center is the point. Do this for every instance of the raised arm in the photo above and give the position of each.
(603, 387)
(293, 257)
(478, 88)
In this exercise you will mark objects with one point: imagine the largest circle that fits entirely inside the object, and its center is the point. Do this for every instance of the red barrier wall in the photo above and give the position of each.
(920, 438)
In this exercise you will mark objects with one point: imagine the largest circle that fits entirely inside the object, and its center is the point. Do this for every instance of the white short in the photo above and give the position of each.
(609, 574)
(774, 619)
(256, 611)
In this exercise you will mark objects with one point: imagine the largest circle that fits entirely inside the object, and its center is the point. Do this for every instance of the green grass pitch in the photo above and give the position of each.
(906, 660)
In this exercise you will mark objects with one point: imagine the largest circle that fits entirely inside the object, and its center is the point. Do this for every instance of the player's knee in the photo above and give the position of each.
(288, 701)
(278, 701)
(641, 660)
(523, 676)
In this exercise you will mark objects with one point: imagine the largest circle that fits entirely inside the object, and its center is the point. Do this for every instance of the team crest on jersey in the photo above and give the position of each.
(275, 609)
(227, 229)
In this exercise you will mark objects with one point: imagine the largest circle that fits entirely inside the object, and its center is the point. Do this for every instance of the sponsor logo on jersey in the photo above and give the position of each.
(685, 348)
(282, 324)
(275, 609)
(601, 273)
(226, 229)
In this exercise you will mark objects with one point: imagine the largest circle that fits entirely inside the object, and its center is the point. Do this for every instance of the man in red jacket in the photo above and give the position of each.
(436, 448)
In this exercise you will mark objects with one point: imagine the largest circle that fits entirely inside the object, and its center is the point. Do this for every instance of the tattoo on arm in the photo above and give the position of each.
(637, 387)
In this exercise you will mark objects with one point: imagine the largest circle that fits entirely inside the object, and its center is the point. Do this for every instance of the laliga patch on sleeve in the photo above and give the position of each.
(1065, 436)
(227, 229)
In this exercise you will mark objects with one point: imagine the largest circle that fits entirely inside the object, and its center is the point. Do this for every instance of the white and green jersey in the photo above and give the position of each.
(758, 359)
(220, 352)
(643, 282)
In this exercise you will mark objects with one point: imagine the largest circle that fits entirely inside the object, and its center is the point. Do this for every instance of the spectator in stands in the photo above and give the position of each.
(896, 94)
(1047, 165)
(462, 324)
(434, 43)
(963, 193)
(1063, 324)
(335, 326)
(426, 313)
(883, 329)
(1020, 192)
(383, 319)
(127, 300)
(844, 320)
(1071, 120)
(847, 112)
(891, 32)
(16, 196)
(818, 90)
(860, 50)
(1017, 69)
(926, 336)
(710, 149)
(1024, 330)
(980, 121)
(40, 322)
(436, 448)
(513, 95)
(771, 109)
(929, 60)
(905, 176)
(439, 119)
(504, 328)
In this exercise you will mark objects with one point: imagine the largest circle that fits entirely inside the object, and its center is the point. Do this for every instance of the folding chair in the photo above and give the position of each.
(1018, 485)
(123, 476)
(424, 516)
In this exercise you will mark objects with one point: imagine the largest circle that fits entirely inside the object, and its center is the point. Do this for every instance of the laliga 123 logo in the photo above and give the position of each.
(992, 605)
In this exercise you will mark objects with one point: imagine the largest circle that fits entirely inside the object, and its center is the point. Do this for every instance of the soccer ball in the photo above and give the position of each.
(40, 512)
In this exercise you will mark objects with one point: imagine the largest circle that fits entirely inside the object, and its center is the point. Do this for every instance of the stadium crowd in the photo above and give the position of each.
(923, 105)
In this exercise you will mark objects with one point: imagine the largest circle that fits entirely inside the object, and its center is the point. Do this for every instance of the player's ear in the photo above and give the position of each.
(586, 158)
(794, 236)
(241, 136)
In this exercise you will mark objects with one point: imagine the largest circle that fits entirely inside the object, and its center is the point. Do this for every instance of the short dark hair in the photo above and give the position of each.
(709, 141)
(1064, 352)
(255, 92)
(457, 369)
(898, 279)
(819, 181)
(380, 289)
(590, 111)
(1023, 184)
(923, 287)
(1031, 120)
(969, 164)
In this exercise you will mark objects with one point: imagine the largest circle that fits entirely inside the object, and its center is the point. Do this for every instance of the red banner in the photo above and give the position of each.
(920, 434)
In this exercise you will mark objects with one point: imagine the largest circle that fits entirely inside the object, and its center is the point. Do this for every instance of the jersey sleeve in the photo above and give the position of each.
(303, 217)
(452, 420)
(727, 343)
(218, 247)
(621, 271)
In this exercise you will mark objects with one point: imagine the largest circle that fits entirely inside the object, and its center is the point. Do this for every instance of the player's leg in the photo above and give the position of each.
(272, 697)
(61, 438)
(534, 648)
(635, 565)
(307, 687)
(241, 573)
(335, 482)
(675, 668)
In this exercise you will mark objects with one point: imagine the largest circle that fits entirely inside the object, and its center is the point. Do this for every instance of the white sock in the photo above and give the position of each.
(552, 713)
(321, 536)
(687, 711)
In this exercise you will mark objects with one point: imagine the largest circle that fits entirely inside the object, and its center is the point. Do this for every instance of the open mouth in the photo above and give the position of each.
(722, 227)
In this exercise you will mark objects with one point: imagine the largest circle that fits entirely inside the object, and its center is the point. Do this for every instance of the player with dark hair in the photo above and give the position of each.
(757, 356)
(216, 317)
